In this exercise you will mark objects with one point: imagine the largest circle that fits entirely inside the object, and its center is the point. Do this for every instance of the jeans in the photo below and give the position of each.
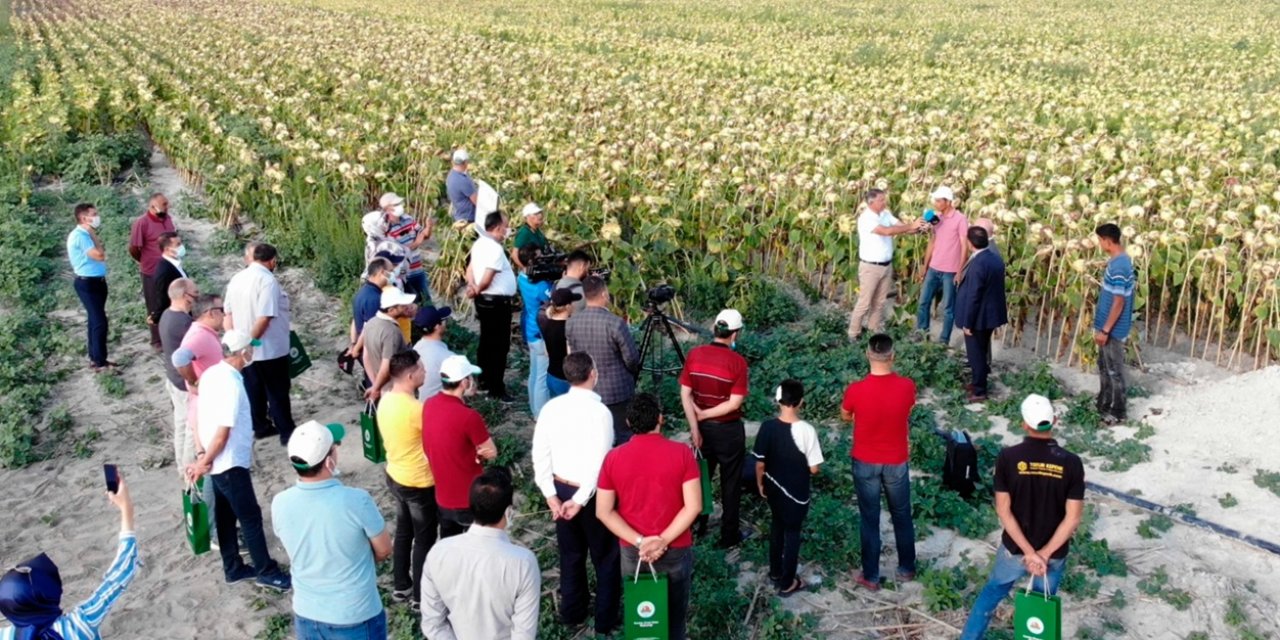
(725, 446)
(557, 387)
(93, 295)
(874, 283)
(416, 522)
(933, 280)
(267, 382)
(1006, 570)
(495, 342)
(538, 391)
(453, 522)
(184, 445)
(677, 565)
(784, 536)
(416, 283)
(374, 628)
(621, 432)
(577, 539)
(977, 348)
(1113, 388)
(234, 500)
(895, 481)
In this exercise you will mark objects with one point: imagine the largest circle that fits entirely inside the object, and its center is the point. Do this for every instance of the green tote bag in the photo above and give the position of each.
(645, 610)
(299, 361)
(196, 512)
(705, 470)
(1036, 616)
(373, 449)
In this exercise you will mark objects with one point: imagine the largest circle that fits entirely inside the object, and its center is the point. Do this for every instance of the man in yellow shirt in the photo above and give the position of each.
(408, 475)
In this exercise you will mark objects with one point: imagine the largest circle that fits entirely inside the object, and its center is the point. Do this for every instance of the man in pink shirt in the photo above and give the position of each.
(944, 257)
(199, 350)
(144, 247)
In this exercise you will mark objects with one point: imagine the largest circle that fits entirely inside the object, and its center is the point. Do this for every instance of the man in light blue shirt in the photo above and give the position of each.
(334, 535)
(89, 263)
(431, 347)
(1112, 322)
(461, 188)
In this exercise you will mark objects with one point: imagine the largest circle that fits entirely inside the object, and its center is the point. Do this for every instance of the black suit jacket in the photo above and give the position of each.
(165, 274)
(980, 301)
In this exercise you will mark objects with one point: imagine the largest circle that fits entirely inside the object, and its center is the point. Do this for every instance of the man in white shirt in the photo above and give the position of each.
(492, 284)
(225, 454)
(573, 434)
(478, 585)
(431, 347)
(257, 305)
(876, 228)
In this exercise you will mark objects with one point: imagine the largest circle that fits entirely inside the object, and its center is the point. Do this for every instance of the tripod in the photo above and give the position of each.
(658, 323)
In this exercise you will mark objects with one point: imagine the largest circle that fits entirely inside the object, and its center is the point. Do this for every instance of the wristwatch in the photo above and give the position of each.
(639, 540)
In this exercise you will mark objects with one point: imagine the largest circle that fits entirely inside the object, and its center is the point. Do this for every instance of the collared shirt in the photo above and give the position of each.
(573, 434)
(364, 306)
(648, 474)
(529, 235)
(326, 528)
(607, 339)
(174, 326)
(82, 623)
(433, 353)
(451, 431)
(1117, 280)
(480, 586)
(949, 242)
(460, 187)
(200, 348)
(405, 231)
(382, 339)
(487, 254)
(714, 372)
(226, 404)
(872, 246)
(400, 423)
(79, 242)
(177, 264)
(255, 292)
(145, 236)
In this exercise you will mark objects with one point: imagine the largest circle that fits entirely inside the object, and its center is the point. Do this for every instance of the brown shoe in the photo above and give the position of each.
(865, 583)
(975, 398)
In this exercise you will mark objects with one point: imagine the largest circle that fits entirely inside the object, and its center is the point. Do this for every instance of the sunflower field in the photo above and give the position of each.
(716, 141)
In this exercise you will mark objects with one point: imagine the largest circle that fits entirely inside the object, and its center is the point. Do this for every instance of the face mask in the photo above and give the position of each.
(95, 222)
(734, 345)
(162, 213)
(399, 210)
(182, 251)
(333, 467)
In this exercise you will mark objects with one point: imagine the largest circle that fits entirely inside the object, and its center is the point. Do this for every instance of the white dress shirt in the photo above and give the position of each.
(487, 253)
(254, 292)
(573, 434)
(872, 246)
(480, 586)
(177, 264)
(224, 403)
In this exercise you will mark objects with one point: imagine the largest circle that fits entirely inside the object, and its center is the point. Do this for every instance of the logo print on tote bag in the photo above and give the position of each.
(1035, 625)
(190, 523)
(646, 610)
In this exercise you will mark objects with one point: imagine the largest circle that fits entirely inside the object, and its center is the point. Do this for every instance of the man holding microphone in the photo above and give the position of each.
(876, 228)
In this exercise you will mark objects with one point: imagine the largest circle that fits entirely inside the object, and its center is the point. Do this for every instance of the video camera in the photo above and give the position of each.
(661, 294)
(548, 267)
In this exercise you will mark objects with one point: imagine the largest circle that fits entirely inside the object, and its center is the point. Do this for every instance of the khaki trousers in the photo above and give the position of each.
(874, 283)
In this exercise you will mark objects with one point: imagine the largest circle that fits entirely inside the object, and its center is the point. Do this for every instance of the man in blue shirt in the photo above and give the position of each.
(334, 535)
(461, 188)
(89, 263)
(534, 295)
(364, 305)
(1112, 322)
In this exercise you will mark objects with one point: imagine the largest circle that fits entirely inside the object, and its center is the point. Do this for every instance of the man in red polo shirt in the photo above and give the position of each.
(144, 246)
(455, 440)
(713, 386)
(880, 406)
(648, 495)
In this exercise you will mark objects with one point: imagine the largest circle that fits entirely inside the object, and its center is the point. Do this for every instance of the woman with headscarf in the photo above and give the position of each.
(31, 592)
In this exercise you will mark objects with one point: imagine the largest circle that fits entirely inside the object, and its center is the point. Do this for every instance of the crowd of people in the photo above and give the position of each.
(622, 495)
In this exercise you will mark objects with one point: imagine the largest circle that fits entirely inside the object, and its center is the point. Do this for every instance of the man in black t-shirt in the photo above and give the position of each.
(1040, 500)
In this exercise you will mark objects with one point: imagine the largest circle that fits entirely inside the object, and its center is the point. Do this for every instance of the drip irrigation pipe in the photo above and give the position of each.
(1184, 518)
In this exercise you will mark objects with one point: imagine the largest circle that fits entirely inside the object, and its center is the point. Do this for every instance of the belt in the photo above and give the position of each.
(878, 264)
(91, 277)
(495, 298)
(565, 482)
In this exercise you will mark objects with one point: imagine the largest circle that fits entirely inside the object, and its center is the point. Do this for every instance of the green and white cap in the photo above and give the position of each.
(457, 369)
(310, 443)
(1037, 412)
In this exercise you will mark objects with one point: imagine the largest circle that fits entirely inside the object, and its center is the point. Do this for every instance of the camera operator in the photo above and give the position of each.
(529, 235)
(491, 283)
(607, 339)
(533, 294)
(577, 268)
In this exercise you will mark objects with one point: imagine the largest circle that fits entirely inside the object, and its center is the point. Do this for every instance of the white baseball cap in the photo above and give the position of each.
(393, 297)
(460, 156)
(237, 341)
(531, 209)
(943, 193)
(457, 369)
(310, 443)
(390, 199)
(730, 318)
(1037, 412)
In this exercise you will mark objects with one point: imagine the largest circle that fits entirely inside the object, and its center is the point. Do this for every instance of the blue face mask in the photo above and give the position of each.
(734, 345)
(182, 251)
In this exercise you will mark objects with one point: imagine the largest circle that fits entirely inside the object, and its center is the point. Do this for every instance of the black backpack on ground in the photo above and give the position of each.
(960, 468)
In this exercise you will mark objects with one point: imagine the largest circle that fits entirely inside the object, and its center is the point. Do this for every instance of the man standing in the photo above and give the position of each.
(533, 296)
(480, 586)
(334, 535)
(408, 475)
(199, 350)
(943, 258)
(405, 230)
(1040, 500)
(460, 188)
(980, 309)
(226, 455)
(1111, 324)
(144, 247)
(368, 298)
(876, 228)
(573, 434)
(258, 306)
(383, 338)
(492, 284)
(604, 336)
(649, 494)
(174, 323)
(879, 406)
(530, 234)
(431, 347)
(455, 439)
(89, 264)
(577, 268)
(990, 228)
(169, 267)
(713, 386)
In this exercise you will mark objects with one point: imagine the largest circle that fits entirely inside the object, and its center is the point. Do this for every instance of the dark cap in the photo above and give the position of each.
(562, 297)
(429, 317)
(393, 258)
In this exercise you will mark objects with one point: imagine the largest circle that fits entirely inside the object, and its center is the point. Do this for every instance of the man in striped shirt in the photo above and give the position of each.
(1112, 322)
(405, 230)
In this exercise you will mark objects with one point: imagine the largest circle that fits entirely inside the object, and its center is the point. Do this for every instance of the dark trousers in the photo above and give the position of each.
(416, 283)
(621, 432)
(1112, 393)
(784, 536)
(454, 522)
(267, 383)
(93, 295)
(724, 444)
(977, 348)
(577, 538)
(156, 302)
(234, 501)
(677, 565)
(894, 480)
(416, 521)
(495, 342)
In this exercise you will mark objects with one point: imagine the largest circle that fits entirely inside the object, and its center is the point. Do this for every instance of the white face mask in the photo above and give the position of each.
(95, 222)
(182, 251)
(399, 210)
(333, 467)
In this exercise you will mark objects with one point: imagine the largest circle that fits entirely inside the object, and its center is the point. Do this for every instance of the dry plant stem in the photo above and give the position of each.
(867, 596)
(1222, 318)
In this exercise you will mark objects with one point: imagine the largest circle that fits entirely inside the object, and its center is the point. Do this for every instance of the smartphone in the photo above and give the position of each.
(113, 477)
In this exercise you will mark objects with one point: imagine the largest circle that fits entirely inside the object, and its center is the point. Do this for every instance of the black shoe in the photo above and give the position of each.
(277, 582)
(502, 396)
(729, 544)
(266, 433)
(245, 572)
